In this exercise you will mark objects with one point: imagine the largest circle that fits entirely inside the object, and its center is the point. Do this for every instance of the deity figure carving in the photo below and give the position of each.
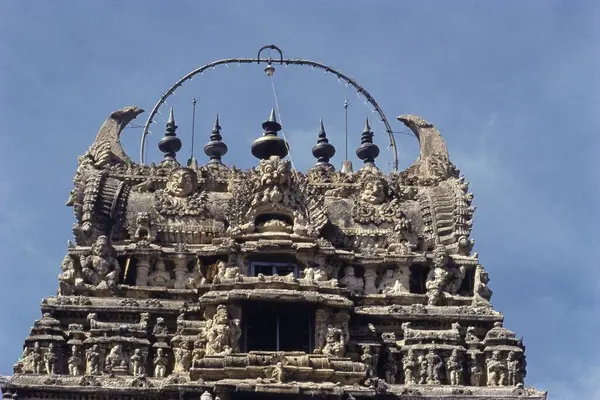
(182, 183)
(482, 293)
(115, 359)
(475, 371)
(69, 277)
(496, 370)
(434, 367)
(37, 358)
(353, 283)
(470, 337)
(160, 276)
(217, 333)
(335, 342)
(142, 225)
(454, 368)
(390, 369)
(75, 361)
(101, 269)
(183, 358)
(160, 364)
(370, 360)
(409, 365)
(437, 276)
(278, 373)
(309, 275)
(390, 283)
(422, 370)
(514, 369)
(198, 352)
(138, 363)
(50, 360)
(370, 277)
(455, 279)
(373, 192)
(94, 360)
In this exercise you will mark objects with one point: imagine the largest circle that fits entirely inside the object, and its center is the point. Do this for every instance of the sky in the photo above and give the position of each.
(513, 87)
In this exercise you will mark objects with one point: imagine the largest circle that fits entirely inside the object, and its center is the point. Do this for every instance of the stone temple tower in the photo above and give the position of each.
(206, 281)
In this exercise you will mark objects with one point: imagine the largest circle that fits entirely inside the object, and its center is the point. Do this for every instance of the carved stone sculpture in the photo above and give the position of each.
(482, 293)
(370, 360)
(75, 361)
(434, 367)
(335, 343)
(50, 360)
(183, 358)
(390, 369)
(353, 283)
(437, 277)
(370, 277)
(475, 371)
(216, 332)
(94, 360)
(496, 370)
(101, 269)
(409, 365)
(138, 363)
(160, 364)
(455, 369)
(513, 367)
(115, 361)
(68, 277)
(391, 283)
(423, 366)
(160, 276)
(37, 358)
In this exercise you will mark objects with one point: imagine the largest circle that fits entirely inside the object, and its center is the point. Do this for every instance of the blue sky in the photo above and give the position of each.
(513, 87)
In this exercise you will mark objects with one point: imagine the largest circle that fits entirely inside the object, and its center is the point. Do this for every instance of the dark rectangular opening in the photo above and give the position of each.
(418, 278)
(277, 327)
(468, 283)
(273, 268)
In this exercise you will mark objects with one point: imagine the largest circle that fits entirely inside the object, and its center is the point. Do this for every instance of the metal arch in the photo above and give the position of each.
(326, 68)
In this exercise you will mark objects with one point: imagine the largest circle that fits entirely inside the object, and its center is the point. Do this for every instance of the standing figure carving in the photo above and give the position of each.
(75, 362)
(455, 369)
(183, 358)
(390, 369)
(353, 283)
(138, 363)
(160, 364)
(422, 370)
(370, 361)
(38, 358)
(335, 342)
(434, 367)
(50, 360)
(94, 360)
(514, 369)
(409, 365)
(496, 370)
(437, 276)
(475, 371)
(217, 333)
(101, 269)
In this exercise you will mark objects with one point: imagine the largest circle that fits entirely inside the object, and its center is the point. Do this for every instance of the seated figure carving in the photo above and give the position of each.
(101, 269)
(160, 276)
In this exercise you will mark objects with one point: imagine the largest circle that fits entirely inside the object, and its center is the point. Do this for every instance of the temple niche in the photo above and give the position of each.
(207, 281)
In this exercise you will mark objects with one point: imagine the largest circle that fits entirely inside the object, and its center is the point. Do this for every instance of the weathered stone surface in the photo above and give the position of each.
(169, 263)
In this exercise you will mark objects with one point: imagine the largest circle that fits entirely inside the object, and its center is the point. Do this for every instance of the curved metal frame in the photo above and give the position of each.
(282, 61)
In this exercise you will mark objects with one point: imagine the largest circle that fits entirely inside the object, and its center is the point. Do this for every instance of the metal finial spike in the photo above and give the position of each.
(217, 127)
(367, 125)
(322, 130)
(272, 117)
(171, 117)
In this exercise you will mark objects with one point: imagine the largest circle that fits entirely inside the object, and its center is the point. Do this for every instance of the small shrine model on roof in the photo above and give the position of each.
(206, 281)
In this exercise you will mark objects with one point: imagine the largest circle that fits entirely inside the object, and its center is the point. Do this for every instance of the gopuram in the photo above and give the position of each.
(188, 281)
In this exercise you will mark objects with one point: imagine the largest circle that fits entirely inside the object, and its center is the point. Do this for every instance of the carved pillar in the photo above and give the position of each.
(321, 318)
(180, 271)
(370, 276)
(142, 269)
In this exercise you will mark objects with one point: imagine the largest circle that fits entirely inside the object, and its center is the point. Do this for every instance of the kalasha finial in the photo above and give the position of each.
(170, 144)
(368, 151)
(323, 151)
(269, 144)
(216, 148)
